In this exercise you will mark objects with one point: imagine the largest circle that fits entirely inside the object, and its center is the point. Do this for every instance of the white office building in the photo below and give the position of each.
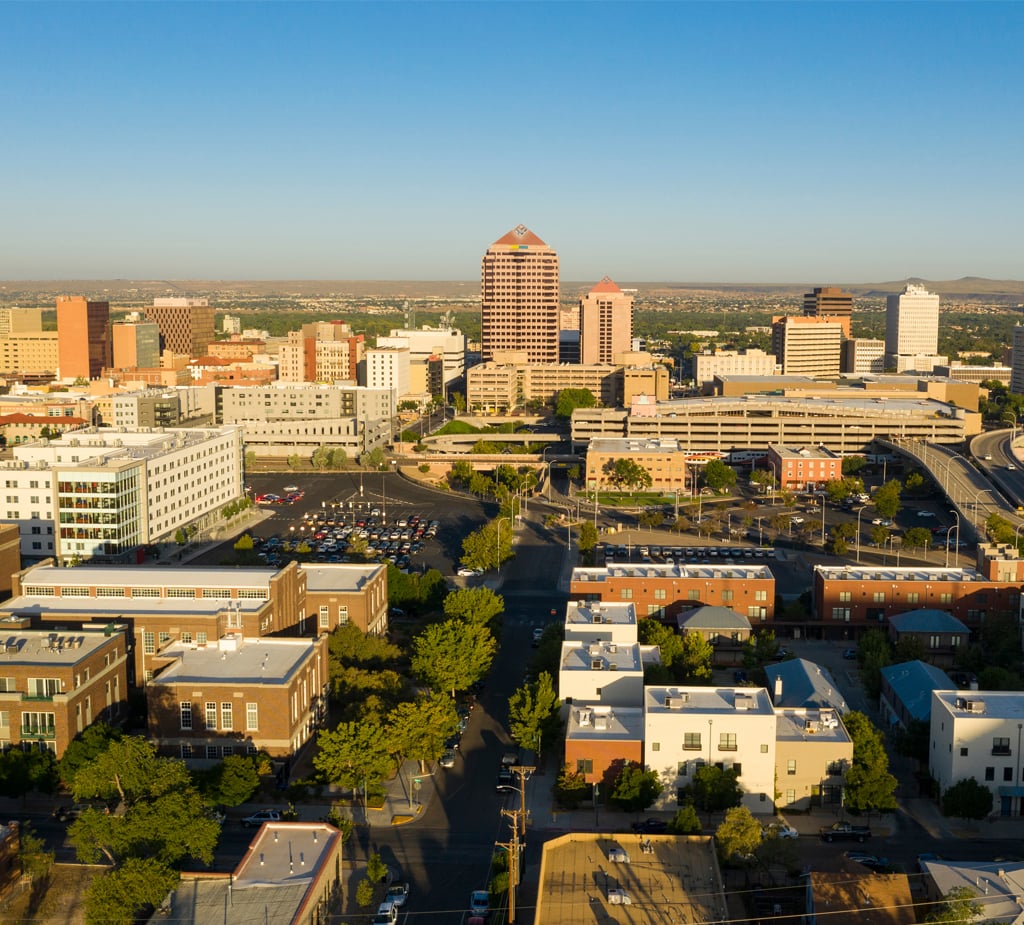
(600, 621)
(100, 494)
(449, 344)
(911, 324)
(603, 673)
(388, 369)
(686, 728)
(979, 734)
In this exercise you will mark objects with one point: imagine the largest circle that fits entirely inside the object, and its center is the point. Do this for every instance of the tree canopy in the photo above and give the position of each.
(453, 655)
(714, 789)
(958, 907)
(693, 665)
(568, 400)
(738, 835)
(626, 473)
(488, 546)
(967, 799)
(354, 753)
(118, 897)
(869, 786)
(474, 605)
(533, 713)
(418, 729)
(635, 789)
(719, 476)
(887, 499)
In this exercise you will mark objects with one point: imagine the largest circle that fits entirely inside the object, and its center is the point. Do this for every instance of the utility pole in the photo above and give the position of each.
(512, 848)
(523, 772)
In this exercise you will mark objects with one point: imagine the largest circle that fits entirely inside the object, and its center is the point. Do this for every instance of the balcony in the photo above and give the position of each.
(727, 748)
(1002, 751)
(38, 732)
(38, 697)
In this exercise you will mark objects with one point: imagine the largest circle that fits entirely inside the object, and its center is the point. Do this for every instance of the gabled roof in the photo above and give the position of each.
(520, 235)
(804, 684)
(713, 618)
(927, 620)
(913, 683)
(606, 285)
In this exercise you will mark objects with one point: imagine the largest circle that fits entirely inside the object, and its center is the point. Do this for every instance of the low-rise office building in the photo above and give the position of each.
(347, 593)
(978, 734)
(53, 684)
(238, 696)
(665, 461)
(603, 672)
(803, 468)
(599, 621)
(663, 590)
(688, 727)
(601, 739)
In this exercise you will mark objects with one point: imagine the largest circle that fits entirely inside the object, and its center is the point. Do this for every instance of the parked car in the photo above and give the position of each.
(739, 676)
(258, 818)
(779, 830)
(398, 893)
(447, 760)
(506, 780)
(479, 902)
(650, 826)
(850, 654)
(538, 631)
(387, 914)
(845, 831)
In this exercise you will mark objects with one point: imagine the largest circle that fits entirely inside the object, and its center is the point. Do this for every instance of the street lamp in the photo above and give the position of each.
(860, 511)
(956, 548)
(543, 460)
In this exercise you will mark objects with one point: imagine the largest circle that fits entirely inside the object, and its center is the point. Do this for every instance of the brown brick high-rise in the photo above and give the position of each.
(519, 297)
(83, 337)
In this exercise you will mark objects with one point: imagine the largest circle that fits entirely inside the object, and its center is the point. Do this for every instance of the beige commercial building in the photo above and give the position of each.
(751, 362)
(510, 380)
(863, 355)
(519, 297)
(606, 323)
(32, 353)
(807, 346)
(664, 460)
(321, 351)
(186, 325)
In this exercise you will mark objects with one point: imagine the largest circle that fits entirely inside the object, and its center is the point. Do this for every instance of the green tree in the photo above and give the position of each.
(914, 741)
(568, 400)
(917, 538)
(121, 896)
(958, 907)
(887, 499)
(759, 649)
(364, 893)
(321, 458)
(474, 605)
(586, 536)
(33, 856)
(374, 459)
(349, 645)
(869, 786)
(685, 822)
(488, 546)
(763, 479)
(231, 782)
(669, 642)
(874, 653)
(461, 472)
(635, 789)
(628, 474)
(571, 789)
(853, 464)
(651, 519)
(250, 460)
(879, 534)
(180, 537)
(22, 772)
(453, 655)
(999, 529)
(129, 769)
(967, 799)
(714, 790)
(738, 835)
(909, 649)
(418, 729)
(718, 476)
(533, 713)
(294, 461)
(354, 753)
(694, 663)
(339, 458)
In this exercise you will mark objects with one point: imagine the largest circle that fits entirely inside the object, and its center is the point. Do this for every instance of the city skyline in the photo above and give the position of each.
(741, 142)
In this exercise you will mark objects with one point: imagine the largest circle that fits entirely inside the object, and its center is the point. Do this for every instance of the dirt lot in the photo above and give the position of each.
(61, 903)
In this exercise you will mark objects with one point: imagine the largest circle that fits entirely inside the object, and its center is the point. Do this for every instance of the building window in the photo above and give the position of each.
(764, 748)
(727, 595)
(691, 741)
(791, 767)
(660, 594)
(963, 751)
(841, 613)
(211, 715)
(186, 714)
(186, 750)
(655, 746)
(990, 773)
(790, 797)
(913, 597)
(627, 594)
(760, 595)
(200, 639)
(148, 643)
(1008, 774)
(946, 597)
(845, 596)
(325, 617)
(212, 752)
(933, 641)
(584, 765)
(878, 597)
(226, 720)
(727, 741)
(1000, 746)
(693, 595)
(252, 716)
(737, 767)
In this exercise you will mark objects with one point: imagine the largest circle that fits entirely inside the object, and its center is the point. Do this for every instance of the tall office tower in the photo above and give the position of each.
(807, 346)
(1017, 361)
(83, 337)
(186, 325)
(606, 323)
(519, 297)
(912, 323)
(136, 344)
(830, 302)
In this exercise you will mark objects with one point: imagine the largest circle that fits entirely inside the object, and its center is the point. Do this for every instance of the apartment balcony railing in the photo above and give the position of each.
(44, 697)
(38, 732)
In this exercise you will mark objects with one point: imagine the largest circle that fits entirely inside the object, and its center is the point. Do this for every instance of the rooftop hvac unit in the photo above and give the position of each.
(596, 618)
(676, 702)
(596, 664)
(584, 717)
(594, 649)
(612, 647)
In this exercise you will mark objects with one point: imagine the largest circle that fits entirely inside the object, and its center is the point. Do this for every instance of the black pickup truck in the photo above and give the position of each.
(845, 831)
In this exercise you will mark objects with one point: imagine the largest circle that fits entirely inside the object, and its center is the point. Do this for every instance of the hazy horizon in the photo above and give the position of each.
(396, 141)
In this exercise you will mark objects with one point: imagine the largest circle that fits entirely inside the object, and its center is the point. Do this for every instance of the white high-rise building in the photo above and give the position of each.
(422, 343)
(911, 324)
(388, 368)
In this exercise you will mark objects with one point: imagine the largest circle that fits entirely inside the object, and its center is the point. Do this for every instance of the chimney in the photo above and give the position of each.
(777, 689)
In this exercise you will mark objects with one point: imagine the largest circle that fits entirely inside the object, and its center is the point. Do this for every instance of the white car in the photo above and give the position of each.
(779, 830)
(877, 521)
(447, 760)
(387, 914)
(469, 572)
(258, 818)
(925, 514)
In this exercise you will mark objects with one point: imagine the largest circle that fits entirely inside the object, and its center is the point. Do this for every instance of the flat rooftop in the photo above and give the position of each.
(577, 656)
(665, 570)
(635, 445)
(891, 573)
(802, 452)
(340, 577)
(605, 723)
(48, 647)
(986, 704)
(729, 700)
(676, 880)
(800, 725)
(115, 608)
(580, 613)
(235, 660)
(100, 576)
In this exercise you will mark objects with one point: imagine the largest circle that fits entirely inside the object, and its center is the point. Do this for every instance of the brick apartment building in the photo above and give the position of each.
(53, 684)
(238, 696)
(600, 739)
(663, 591)
(803, 468)
(848, 599)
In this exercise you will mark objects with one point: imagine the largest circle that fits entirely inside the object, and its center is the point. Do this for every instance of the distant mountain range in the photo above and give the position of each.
(968, 287)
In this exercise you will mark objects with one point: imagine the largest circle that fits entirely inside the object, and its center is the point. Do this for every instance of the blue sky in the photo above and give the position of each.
(807, 142)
